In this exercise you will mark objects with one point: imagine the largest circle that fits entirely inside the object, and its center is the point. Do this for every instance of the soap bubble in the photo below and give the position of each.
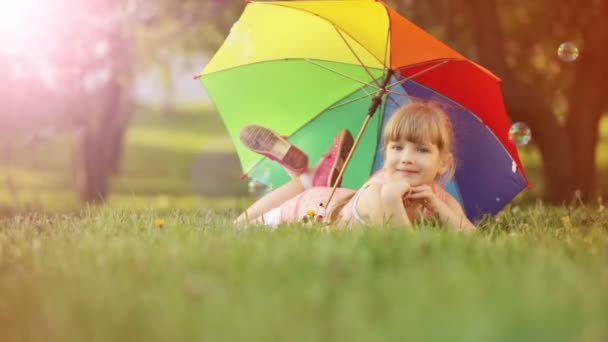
(262, 185)
(520, 134)
(255, 188)
(567, 52)
(265, 176)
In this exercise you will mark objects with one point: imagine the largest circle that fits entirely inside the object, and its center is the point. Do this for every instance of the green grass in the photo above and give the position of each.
(110, 274)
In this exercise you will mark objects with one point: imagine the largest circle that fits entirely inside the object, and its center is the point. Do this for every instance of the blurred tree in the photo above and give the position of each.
(73, 72)
(188, 26)
(98, 65)
(561, 102)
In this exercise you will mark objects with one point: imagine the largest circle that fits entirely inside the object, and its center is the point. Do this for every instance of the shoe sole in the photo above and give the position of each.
(266, 141)
(345, 144)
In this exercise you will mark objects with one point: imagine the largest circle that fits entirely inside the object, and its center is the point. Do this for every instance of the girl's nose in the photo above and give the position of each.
(406, 157)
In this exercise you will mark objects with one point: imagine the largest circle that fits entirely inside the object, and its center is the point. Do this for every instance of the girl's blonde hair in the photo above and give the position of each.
(421, 122)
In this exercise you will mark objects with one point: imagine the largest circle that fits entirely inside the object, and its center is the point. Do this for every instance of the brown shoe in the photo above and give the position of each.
(270, 144)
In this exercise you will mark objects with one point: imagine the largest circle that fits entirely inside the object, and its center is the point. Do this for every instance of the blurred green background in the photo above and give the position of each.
(183, 160)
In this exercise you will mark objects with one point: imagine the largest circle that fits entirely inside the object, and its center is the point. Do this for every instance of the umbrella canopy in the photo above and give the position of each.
(310, 68)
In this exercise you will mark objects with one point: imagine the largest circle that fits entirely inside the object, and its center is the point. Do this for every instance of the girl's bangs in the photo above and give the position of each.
(418, 128)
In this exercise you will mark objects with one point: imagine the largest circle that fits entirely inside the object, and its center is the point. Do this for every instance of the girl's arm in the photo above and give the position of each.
(450, 212)
(382, 203)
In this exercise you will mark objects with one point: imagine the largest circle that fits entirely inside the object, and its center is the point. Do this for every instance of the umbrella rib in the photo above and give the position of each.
(419, 73)
(387, 42)
(202, 75)
(402, 94)
(338, 105)
(357, 56)
(342, 74)
(397, 93)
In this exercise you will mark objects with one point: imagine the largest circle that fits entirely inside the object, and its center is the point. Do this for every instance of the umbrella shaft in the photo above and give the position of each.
(372, 110)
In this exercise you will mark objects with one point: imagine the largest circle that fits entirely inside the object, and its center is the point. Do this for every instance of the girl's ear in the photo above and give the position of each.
(446, 163)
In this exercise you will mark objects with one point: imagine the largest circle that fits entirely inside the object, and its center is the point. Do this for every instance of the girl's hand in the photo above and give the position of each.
(449, 212)
(424, 194)
(396, 188)
(391, 204)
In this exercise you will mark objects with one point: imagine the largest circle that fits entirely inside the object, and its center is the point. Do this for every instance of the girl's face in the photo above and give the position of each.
(418, 163)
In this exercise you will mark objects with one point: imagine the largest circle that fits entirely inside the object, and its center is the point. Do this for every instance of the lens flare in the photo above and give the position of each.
(25, 25)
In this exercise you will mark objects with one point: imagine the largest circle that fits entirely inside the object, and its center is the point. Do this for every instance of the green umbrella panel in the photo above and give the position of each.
(316, 136)
(311, 101)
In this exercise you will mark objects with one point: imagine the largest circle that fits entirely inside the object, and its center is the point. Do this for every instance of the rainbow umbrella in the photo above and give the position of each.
(311, 68)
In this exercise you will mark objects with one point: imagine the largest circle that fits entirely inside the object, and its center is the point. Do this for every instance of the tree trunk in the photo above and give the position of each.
(526, 103)
(587, 101)
(91, 165)
(118, 116)
(110, 107)
(99, 144)
(583, 132)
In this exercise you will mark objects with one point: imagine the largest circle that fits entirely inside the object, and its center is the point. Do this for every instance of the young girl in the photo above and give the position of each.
(418, 160)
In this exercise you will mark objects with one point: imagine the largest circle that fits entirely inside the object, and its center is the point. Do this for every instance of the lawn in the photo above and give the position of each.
(113, 274)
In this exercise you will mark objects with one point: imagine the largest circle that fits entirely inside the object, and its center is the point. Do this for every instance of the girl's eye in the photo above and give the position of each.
(397, 147)
(423, 149)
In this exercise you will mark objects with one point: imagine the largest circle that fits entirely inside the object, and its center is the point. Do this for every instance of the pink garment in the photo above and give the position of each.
(295, 209)
(346, 216)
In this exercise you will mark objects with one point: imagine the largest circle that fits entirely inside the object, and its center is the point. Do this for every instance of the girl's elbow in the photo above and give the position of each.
(468, 226)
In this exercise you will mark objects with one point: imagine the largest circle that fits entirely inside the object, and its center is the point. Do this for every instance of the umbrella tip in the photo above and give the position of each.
(196, 77)
(243, 176)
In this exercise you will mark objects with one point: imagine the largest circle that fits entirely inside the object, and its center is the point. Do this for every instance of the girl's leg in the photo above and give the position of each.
(267, 142)
(271, 200)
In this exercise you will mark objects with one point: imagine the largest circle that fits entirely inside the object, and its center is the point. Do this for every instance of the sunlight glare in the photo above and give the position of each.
(22, 23)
